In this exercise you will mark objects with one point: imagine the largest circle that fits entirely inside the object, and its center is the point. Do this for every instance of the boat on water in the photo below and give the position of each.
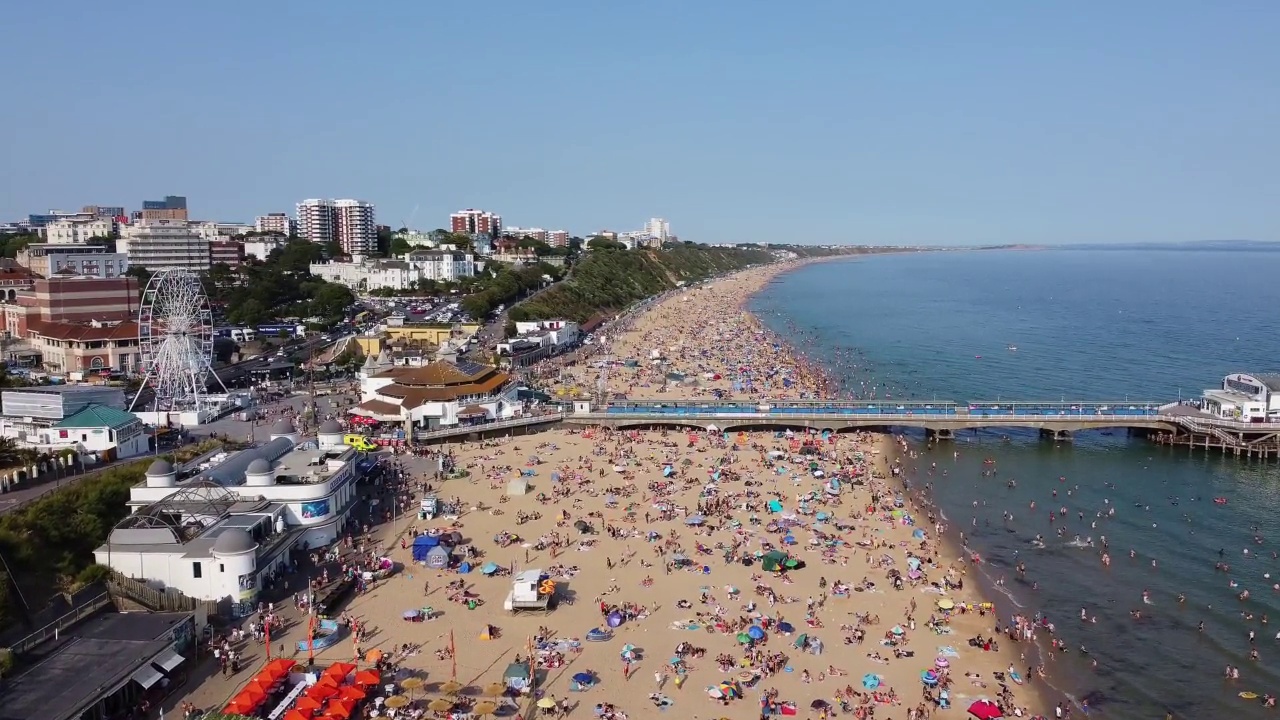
(1012, 348)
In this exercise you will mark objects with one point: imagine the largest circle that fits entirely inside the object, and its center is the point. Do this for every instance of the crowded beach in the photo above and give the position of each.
(701, 572)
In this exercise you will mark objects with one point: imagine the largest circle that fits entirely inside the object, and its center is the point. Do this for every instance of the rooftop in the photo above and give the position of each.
(91, 660)
(99, 416)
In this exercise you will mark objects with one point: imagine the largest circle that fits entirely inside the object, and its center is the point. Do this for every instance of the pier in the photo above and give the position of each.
(1163, 423)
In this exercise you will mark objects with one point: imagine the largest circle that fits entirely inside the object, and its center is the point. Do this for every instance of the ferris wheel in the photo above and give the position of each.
(175, 342)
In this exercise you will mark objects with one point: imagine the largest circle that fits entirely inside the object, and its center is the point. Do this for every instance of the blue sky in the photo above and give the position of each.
(859, 122)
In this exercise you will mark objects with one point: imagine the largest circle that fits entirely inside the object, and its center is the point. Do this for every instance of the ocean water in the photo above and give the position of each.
(1087, 325)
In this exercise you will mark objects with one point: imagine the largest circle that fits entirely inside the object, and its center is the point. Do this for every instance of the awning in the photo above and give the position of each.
(472, 411)
(146, 676)
(168, 660)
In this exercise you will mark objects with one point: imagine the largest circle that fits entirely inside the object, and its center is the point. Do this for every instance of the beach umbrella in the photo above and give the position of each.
(929, 678)
(240, 706)
(897, 630)
(412, 684)
(495, 690)
(352, 693)
(546, 703)
(584, 678)
(340, 670)
(786, 627)
(485, 708)
(451, 687)
(280, 666)
(755, 632)
(985, 710)
(489, 568)
(397, 701)
(819, 704)
(941, 662)
(695, 520)
(373, 657)
(322, 691)
(368, 678)
(715, 692)
(870, 681)
(744, 638)
(340, 708)
(308, 704)
(614, 619)
(440, 705)
(946, 604)
(253, 693)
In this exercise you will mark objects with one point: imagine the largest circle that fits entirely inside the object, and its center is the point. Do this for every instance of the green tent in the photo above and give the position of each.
(773, 561)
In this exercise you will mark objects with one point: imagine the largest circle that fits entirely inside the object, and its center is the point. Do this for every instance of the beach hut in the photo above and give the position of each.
(422, 545)
(773, 561)
(437, 557)
(518, 486)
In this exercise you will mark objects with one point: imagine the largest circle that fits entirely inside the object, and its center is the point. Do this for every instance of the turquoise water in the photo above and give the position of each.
(1087, 325)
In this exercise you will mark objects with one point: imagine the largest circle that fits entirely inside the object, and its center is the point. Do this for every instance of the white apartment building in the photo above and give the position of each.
(350, 223)
(260, 246)
(279, 223)
(441, 266)
(220, 232)
(658, 229)
(164, 245)
(77, 231)
(356, 230)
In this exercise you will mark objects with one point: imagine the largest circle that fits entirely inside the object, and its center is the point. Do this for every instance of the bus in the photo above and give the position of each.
(277, 330)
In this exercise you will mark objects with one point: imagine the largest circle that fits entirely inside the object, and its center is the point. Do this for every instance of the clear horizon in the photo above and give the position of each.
(827, 123)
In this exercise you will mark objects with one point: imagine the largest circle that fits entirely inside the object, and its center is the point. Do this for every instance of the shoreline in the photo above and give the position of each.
(895, 451)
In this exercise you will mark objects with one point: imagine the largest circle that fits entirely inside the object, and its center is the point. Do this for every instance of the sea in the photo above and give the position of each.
(1088, 325)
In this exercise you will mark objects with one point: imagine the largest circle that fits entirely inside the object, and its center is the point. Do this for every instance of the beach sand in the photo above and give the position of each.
(703, 330)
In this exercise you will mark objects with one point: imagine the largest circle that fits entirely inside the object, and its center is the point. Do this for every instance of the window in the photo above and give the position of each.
(222, 567)
(196, 570)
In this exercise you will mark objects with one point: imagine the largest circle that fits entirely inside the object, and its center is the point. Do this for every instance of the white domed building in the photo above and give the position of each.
(217, 528)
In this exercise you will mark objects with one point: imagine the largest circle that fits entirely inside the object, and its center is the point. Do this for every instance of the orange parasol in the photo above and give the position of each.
(308, 704)
(373, 656)
(368, 677)
(240, 706)
(279, 667)
(296, 714)
(340, 708)
(352, 693)
(253, 694)
(321, 691)
(329, 680)
(340, 670)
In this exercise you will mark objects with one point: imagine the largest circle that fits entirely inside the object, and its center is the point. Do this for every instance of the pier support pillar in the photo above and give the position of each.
(1056, 435)
(940, 435)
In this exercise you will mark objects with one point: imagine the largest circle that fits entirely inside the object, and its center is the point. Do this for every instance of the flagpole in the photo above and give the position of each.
(453, 655)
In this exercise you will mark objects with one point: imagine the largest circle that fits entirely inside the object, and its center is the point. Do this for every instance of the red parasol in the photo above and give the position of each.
(368, 677)
(340, 670)
(985, 710)
(296, 714)
(340, 708)
(322, 691)
(308, 704)
(279, 667)
(352, 693)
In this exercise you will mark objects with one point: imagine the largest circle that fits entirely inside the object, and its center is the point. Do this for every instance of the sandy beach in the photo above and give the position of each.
(683, 530)
(673, 515)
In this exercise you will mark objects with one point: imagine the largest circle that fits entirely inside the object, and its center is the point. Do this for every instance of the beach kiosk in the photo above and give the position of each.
(530, 590)
(429, 508)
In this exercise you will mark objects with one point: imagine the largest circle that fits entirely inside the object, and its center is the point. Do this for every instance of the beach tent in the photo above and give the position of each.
(422, 545)
(773, 561)
(518, 486)
(775, 506)
(437, 557)
(516, 676)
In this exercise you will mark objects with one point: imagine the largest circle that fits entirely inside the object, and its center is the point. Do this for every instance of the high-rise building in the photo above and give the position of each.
(558, 238)
(658, 229)
(278, 223)
(113, 212)
(314, 221)
(356, 230)
(476, 222)
(350, 223)
(164, 244)
(172, 207)
(520, 233)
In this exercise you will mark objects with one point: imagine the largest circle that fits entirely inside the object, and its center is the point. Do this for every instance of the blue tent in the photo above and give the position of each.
(422, 545)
